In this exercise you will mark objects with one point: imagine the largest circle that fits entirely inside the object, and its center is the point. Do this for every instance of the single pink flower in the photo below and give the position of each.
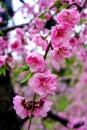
(41, 41)
(43, 83)
(69, 16)
(36, 62)
(21, 106)
(59, 55)
(60, 33)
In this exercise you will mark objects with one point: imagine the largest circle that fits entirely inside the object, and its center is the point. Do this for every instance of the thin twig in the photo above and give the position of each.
(49, 45)
(31, 111)
(7, 29)
(83, 3)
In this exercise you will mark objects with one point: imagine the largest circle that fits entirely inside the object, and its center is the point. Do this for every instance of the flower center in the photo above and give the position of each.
(59, 33)
(26, 104)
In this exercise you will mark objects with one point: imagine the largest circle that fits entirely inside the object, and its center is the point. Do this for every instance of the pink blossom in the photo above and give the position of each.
(46, 3)
(41, 41)
(20, 32)
(47, 16)
(83, 77)
(35, 61)
(83, 54)
(3, 45)
(27, 8)
(69, 16)
(73, 41)
(21, 106)
(44, 107)
(59, 55)
(39, 23)
(15, 45)
(43, 83)
(2, 60)
(2, 10)
(60, 33)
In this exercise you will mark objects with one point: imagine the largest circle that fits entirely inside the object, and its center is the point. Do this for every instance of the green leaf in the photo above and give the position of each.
(83, 20)
(57, 3)
(70, 61)
(1, 33)
(27, 76)
(42, 14)
(68, 72)
(21, 69)
(63, 6)
(85, 45)
(62, 103)
(48, 124)
(2, 70)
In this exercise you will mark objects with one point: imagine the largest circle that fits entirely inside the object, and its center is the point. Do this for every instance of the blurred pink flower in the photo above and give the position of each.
(40, 41)
(39, 23)
(36, 62)
(59, 55)
(60, 33)
(46, 3)
(2, 60)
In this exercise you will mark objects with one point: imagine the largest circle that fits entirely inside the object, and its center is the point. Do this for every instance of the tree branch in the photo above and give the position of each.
(56, 117)
(7, 29)
(62, 120)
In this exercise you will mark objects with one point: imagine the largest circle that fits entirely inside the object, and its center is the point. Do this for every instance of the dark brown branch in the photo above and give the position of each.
(57, 118)
(7, 29)
(63, 120)
(47, 50)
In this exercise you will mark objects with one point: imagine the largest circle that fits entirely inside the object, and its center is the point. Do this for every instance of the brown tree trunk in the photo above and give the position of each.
(8, 118)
